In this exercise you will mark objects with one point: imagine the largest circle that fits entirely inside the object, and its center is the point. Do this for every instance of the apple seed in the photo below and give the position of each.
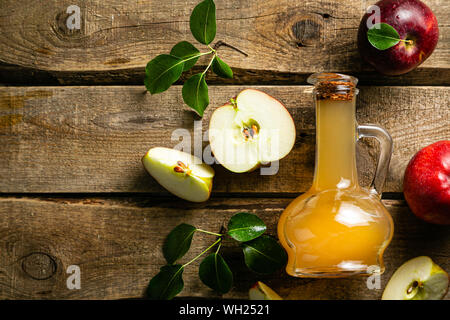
(413, 286)
(250, 130)
(182, 168)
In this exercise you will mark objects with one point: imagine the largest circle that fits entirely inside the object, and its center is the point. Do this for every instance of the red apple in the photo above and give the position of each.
(417, 27)
(427, 183)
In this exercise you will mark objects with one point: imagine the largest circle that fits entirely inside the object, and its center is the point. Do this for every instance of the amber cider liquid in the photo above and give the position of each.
(336, 228)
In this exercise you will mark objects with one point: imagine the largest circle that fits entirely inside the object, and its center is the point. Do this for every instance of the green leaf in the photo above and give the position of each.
(215, 273)
(195, 93)
(178, 242)
(203, 22)
(162, 72)
(383, 36)
(245, 227)
(264, 255)
(184, 50)
(221, 68)
(167, 283)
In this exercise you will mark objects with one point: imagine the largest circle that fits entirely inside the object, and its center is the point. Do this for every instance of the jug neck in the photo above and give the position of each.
(335, 166)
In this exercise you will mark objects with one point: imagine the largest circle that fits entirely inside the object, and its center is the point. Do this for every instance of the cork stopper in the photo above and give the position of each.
(334, 86)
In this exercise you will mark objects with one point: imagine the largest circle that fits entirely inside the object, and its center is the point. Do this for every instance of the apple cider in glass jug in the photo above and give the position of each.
(338, 228)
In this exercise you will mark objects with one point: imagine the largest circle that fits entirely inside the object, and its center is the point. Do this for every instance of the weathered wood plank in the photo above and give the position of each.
(91, 139)
(20, 76)
(117, 242)
(286, 36)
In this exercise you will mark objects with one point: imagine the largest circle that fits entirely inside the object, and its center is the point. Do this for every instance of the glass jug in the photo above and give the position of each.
(338, 228)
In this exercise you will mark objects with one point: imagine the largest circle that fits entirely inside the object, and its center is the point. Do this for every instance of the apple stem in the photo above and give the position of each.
(233, 103)
(407, 41)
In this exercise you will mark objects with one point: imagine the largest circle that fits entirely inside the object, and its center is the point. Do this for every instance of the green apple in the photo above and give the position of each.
(260, 291)
(417, 279)
(182, 174)
(253, 129)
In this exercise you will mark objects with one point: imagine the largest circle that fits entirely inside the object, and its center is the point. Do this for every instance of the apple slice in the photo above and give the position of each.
(417, 279)
(182, 174)
(260, 291)
(253, 129)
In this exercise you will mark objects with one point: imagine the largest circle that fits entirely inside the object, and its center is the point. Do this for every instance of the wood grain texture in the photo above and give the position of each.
(91, 139)
(117, 242)
(281, 36)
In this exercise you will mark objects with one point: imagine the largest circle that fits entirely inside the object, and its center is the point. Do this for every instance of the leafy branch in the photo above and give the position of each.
(262, 254)
(165, 69)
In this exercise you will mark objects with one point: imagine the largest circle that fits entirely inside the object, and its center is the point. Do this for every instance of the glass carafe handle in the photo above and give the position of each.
(386, 146)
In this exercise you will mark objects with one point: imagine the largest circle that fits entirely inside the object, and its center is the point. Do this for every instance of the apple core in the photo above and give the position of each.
(250, 130)
(182, 168)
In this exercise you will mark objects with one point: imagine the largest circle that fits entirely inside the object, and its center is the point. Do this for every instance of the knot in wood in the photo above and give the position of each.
(62, 31)
(306, 32)
(39, 265)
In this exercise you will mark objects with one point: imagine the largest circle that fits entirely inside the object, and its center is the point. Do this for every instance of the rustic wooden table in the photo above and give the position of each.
(75, 121)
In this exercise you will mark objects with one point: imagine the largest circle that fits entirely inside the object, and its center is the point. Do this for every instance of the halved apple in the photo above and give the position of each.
(260, 291)
(182, 174)
(252, 129)
(417, 279)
